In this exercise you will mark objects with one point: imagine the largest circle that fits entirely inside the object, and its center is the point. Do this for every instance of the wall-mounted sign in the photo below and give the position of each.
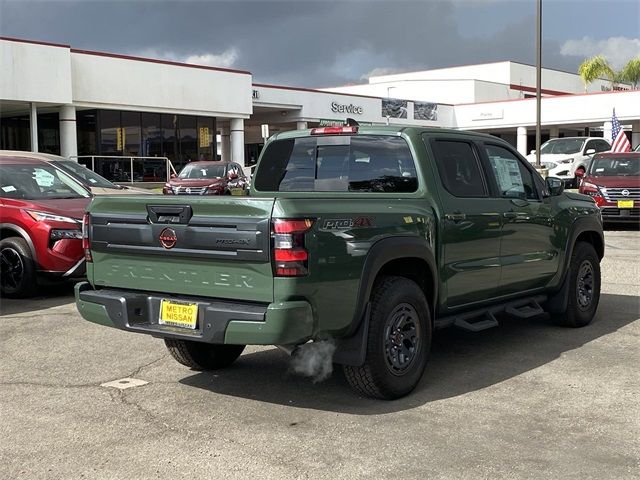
(351, 108)
(255, 94)
(204, 140)
(393, 108)
(425, 111)
(120, 138)
(495, 114)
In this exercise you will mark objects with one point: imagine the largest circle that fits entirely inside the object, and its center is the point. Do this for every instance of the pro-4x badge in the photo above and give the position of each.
(168, 238)
(347, 223)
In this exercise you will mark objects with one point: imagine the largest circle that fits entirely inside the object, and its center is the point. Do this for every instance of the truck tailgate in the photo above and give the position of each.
(212, 247)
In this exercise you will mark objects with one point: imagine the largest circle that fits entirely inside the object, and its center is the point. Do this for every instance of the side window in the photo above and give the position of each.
(459, 168)
(591, 144)
(513, 178)
(602, 146)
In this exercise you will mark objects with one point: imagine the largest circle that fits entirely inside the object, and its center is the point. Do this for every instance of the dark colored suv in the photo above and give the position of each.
(208, 178)
(41, 210)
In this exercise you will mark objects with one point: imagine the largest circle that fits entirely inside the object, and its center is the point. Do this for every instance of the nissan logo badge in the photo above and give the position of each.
(168, 238)
(625, 192)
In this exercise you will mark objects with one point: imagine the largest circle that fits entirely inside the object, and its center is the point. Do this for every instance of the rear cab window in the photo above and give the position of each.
(338, 163)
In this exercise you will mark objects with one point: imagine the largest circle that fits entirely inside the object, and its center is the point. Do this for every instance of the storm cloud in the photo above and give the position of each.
(304, 43)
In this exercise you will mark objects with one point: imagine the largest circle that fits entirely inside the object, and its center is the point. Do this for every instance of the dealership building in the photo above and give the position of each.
(81, 104)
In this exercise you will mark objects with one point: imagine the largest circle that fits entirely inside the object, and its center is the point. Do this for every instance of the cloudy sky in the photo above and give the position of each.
(315, 43)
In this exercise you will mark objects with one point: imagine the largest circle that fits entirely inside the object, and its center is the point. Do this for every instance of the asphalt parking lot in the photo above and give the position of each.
(525, 400)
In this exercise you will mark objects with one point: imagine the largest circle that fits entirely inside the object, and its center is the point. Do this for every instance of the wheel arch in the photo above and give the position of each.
(409, 257)
(585, 229)
(10, 230)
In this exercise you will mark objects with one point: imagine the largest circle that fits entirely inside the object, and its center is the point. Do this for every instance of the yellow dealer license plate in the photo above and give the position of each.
(178, 314)
(625, 203)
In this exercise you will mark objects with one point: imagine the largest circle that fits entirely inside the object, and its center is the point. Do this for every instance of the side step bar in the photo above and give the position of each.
(483, 318)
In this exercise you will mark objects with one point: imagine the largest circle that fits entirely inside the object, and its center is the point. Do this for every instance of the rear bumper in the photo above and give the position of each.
(219, 321)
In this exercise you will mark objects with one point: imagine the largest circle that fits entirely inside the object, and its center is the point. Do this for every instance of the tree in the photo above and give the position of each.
(593, 68)
(631, 72)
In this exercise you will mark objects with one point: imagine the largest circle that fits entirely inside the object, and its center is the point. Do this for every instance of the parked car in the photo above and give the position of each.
(96, 184)
(208, 178)
(568, 158)
(613, 181)
(370, 236)
(41, 210)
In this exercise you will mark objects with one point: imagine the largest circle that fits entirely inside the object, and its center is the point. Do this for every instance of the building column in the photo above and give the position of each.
(521, 140)
(33, 127)
(607, 131)
(554, 131)
(301, 125)
(225, 145)
(237, 140)
(68, 133)
(635, 133)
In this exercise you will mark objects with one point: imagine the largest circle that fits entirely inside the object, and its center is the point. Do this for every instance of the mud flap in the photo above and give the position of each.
(557, 303)
(352, 350)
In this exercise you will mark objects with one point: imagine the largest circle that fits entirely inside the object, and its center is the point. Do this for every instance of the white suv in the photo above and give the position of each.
(569, 157)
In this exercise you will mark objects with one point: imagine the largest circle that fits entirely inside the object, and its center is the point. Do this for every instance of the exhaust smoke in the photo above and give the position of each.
(314, 359)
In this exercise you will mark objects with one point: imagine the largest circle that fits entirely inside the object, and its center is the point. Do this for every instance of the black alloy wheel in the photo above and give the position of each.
(17, 268)
(402, 338)
(398, 340)
(12, 269)
(584, 290)
(583, 277)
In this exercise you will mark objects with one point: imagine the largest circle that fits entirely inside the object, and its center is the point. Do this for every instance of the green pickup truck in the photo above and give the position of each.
(368, 237)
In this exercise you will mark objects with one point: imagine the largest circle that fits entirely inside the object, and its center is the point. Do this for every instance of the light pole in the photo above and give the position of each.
(388, 98)
(538, 77)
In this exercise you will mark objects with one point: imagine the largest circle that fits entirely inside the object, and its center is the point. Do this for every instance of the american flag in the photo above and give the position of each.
(620, 141)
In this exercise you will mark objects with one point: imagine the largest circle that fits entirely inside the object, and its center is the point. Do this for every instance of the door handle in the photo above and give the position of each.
(510, 215)
(455, 217)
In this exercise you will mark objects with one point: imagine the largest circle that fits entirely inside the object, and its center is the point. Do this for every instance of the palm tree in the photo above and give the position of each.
(631, 72)
(593, 68)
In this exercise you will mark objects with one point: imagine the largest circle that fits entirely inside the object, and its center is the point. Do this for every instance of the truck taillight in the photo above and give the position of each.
(290, 258)
(86, 245)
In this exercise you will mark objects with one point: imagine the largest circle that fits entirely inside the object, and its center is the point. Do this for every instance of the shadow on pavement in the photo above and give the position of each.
(460, 362)
(48, 296)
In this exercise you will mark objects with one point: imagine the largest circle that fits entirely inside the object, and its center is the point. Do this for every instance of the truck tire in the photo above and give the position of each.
(398, 342)
(17, 269)
(203, 356)
(584, 287)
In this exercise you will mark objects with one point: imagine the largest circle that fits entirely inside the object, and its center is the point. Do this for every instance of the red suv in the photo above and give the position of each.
(208, 178)
(613, 180)
(41, 210)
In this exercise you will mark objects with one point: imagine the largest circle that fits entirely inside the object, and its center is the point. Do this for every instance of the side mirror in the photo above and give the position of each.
(173, 175)
(532, 152)
(579, 173)
(555, 185)
(591, 151)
